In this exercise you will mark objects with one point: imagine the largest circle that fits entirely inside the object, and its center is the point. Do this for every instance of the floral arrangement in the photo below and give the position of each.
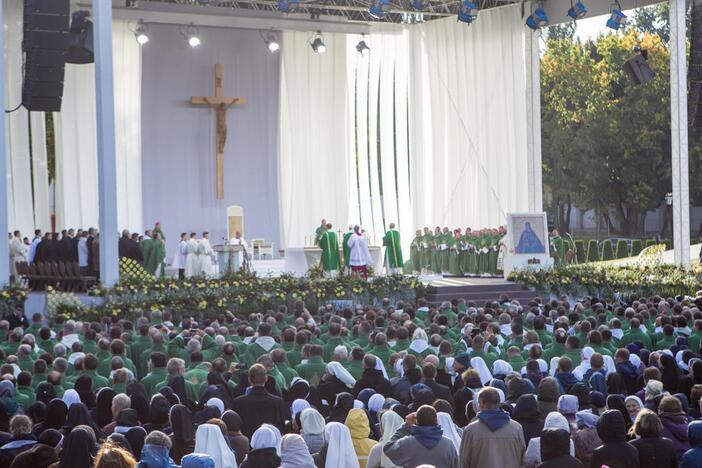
(604, 281)
(10, 297)
(240, 293)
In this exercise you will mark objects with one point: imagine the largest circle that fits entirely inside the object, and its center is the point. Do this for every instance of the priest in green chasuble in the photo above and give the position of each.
(345, 245)
(319, 231)
(157, 230)
(416, 252)
(393, 251)
(330, 251)
(154, 251)
(557, 248)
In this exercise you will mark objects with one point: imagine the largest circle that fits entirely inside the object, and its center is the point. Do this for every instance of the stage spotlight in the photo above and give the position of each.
(272, 43)
(191, 34)
(468, 12)
(317, 44)
(617, 19)
(538, 19)
(362, 47)
(577, 10)
(141, 33)
(379, 8)
(288, 6)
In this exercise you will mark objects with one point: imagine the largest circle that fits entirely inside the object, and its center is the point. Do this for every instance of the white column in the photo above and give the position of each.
(532, 62)
(678, 130)
(107, 167)
(4, 209)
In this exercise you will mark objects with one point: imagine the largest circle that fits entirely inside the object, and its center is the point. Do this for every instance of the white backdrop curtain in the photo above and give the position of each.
(23, 172)
(468, 115)
(313, 137)
(76, 145)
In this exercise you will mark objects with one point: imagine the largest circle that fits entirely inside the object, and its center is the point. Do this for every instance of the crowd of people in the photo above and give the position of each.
(499, 384)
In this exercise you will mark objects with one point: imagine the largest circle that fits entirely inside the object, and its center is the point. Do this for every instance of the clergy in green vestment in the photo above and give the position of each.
(427, 243)
(157, 230)
(319, 231)
(416, 252)
(494, 252)
(393, 251)
(455, 252)
(435, 251)
(557, 247)
(345, 246)
(330, 250)
(154, 252)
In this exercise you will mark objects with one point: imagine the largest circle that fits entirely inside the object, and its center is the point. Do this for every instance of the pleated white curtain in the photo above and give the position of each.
(313, 137)
(468, 118)
(23, 172)
(76, 139)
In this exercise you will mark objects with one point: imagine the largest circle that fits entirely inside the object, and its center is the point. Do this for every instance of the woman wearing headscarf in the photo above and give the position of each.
(547, 396)
(614, 451)
(342, 406)
(296, 408)
(238, 441)
(390, 422)
(264, 449)
(70, 397)
(36, 412)
(183, 432)
(126, 419)
(79, 448)
(449, 429)
(634, 405)
(568, 406)
(225, 393)
(616, 402)
(585, 436)
(209, 440)
(500, 369)
(616, 384)
(312, 429)
(158, 414)
(198, 460)
(7, 399)
(375, 403)
(336, 380)
(170, 395)
(670, 373)
(294, 453)
(338, 451)
(56, 412)
(78, 415)
(102, 413)
(135, 436)
(46, 392)
(526, 413)
(694, 377)
(674, 423)
(139, 400)
(84, 387)
(359, 427)
(554, 420)
(121, 441)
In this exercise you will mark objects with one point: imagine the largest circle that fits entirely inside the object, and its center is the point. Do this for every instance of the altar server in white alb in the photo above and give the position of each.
(180, 258)
(205, 255)
(192, 267)
(359, 257)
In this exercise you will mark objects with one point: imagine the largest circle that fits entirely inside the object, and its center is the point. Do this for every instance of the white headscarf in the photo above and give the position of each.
(553, 365)
(419, 341)
(338, 371)
(358, 404)
(390, 422)
(264, 437)
(311, 421)
(501, 367)
(555, 420)
(209, 440)
(340, 451)
(449, 428)
(70, 397)
(380, 366)
(375, 402)
(278, 436)
(478, 364)
(294, 452)
(216, 403)
(609, 364)
(298, 406)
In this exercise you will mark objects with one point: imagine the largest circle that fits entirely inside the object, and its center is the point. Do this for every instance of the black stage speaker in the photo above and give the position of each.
(638, 69)
(80, 43)
(45, 44)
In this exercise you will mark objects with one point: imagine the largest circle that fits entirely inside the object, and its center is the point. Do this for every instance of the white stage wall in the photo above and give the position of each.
(76, 139)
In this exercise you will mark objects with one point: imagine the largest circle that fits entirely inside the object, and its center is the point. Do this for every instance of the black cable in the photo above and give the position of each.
(12, 110)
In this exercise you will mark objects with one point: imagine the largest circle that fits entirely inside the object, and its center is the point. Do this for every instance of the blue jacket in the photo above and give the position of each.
(197, 460)
(155, 456)
(693, 457)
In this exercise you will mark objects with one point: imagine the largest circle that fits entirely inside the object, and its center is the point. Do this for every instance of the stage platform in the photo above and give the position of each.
(479, 290)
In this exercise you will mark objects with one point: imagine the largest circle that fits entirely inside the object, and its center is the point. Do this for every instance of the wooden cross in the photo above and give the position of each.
(220, 104)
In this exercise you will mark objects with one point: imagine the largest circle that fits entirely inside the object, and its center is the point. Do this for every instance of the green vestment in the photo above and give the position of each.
(330, 251)
(393, 250)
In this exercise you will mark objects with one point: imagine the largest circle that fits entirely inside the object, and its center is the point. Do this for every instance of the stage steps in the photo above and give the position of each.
(478, 290)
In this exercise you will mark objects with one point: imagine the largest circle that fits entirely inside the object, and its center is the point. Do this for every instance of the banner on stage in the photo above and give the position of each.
(527, 242)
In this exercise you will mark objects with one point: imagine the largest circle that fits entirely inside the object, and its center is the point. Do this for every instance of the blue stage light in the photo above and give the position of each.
(468, 12)
(617, 19)
(379, 8)
(577, 11)
(538, 19)
(288, 6)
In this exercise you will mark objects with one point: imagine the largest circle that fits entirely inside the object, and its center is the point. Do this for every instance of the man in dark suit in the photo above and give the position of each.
(372, 378)
(259, 406)
(441, 392)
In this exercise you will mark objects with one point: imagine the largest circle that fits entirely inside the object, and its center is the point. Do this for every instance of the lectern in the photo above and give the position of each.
(229, 258)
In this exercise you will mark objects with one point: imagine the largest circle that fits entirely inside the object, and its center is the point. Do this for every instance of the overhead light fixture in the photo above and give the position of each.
(577, 10)
(271, 42)
(141, 33)
(362, 47)
(617, 18)
(379, 8)
(468, 12)
(538, 18)
(317, 44)
(288, 6)
(192, 35)
(418, 5)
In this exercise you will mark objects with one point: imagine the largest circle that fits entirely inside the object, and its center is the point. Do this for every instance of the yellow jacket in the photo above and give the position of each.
(359, 426)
